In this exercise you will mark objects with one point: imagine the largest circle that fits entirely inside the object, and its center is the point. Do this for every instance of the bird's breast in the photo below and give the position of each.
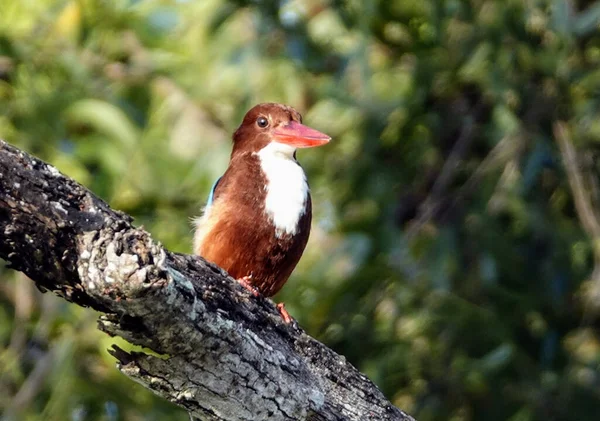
(286, 191)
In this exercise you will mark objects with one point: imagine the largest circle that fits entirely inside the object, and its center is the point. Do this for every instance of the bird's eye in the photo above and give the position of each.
(262, 122)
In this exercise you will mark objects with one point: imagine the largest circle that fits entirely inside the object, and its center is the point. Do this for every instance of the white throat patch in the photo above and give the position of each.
(286, 187)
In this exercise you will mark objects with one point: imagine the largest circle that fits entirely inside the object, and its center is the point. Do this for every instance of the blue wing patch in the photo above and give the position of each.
(212, 193)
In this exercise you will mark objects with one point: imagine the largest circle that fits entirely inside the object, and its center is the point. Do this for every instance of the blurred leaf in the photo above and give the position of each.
(68, 23)
(587, 21)
(105, 118)
(562, 16)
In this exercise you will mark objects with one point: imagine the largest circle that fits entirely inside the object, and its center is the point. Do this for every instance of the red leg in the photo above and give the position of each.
(245, 282)
(284, 313)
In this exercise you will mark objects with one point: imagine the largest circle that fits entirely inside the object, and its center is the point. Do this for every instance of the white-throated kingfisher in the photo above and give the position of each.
(257, 220)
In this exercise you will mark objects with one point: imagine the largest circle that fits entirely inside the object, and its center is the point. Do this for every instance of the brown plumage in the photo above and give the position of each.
(259, 221)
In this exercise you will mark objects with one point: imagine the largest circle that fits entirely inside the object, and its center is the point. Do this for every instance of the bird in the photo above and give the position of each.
(257, 220)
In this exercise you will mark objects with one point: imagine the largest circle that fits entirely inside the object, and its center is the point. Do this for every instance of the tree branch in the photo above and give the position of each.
(584, 193)
(217, 351)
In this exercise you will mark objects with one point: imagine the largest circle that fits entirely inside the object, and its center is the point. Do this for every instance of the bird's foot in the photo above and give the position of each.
(245, 282)
(284, 313)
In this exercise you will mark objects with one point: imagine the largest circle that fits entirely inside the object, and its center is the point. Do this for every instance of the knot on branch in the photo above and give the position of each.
(120, 263)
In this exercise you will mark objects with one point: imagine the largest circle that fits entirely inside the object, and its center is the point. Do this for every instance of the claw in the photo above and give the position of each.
(245, 282)
(284, 313)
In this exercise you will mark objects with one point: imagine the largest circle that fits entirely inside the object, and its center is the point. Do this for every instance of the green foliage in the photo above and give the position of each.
(448, 260)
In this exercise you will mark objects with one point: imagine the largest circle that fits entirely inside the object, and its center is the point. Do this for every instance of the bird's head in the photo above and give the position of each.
(278, 127)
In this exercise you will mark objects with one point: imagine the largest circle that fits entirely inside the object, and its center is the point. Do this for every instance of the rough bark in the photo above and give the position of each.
(218, 352)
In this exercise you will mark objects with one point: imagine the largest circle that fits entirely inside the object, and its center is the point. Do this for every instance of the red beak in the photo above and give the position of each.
(299, 136)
